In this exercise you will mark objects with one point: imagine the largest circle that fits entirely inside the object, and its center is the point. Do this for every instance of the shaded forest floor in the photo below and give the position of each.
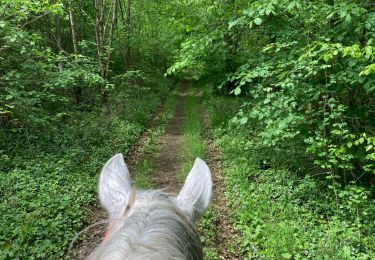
(162, 158)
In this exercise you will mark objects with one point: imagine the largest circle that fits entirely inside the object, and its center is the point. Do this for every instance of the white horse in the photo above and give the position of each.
(151, 224)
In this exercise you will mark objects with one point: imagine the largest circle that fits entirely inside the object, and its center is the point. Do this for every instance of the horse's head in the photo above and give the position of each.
(151, 224)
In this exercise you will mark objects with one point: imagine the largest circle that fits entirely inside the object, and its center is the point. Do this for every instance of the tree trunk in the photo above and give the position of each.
(72, 27)
(127, 36)
(110, 37)
(82, 35)
(99, 33)
(101, 28)
(77, 88)
(60, 65)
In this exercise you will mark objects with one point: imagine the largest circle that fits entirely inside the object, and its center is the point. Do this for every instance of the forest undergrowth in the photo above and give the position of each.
(44, 194)
(282, 215)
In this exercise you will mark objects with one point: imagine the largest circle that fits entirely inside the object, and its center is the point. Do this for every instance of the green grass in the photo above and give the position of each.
(192, 139)
(193, 146)
(143, 172)
(146, 167)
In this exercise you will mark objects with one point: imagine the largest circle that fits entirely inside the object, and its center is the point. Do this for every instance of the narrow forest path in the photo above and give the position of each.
(168, 161)
(163, 160)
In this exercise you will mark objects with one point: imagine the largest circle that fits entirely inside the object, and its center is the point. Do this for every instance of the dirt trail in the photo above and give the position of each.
(167, 166)
(168, 162)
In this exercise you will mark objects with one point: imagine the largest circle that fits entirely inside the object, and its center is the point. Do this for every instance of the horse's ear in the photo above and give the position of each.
(114, 186)
(195, 195)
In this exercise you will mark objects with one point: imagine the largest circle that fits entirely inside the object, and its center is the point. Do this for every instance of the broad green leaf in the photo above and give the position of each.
(232, 23)
(286, 256)
(237, 91)
(258, 21)
(243, 120)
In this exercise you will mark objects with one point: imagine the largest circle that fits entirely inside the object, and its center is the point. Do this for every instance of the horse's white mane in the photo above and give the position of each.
(152, 224)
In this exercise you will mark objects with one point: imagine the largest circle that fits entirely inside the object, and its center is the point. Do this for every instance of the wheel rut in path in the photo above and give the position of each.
(168, 162)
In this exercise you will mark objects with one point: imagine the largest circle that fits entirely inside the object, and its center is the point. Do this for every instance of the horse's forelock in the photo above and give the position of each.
(151, 227)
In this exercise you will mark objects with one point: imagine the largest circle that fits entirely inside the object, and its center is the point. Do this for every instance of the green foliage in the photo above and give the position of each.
(143, 173)
(208, 230)
(64, 112)
(45, 187)
(306, 70)
(42, 206)
(282, 215)
(298, 133)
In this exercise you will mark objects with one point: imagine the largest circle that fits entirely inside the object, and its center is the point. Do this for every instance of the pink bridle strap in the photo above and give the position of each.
(108, 231)
(122, 215)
